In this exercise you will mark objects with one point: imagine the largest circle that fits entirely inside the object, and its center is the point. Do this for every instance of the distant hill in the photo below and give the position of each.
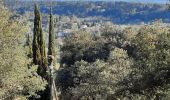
(117, 12)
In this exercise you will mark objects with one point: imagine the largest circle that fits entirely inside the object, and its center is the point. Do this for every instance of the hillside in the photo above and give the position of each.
(117, 12)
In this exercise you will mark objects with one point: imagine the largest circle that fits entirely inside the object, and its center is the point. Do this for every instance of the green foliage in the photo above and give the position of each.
(136, 66)
(113, 36)
(99, 79)
(37, 29)
(51, 44)
(17, 80)
(150, 77)
(38, 46)
(82, 46)
(29, 45)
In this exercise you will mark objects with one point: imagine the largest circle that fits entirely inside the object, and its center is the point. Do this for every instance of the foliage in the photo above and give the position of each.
(17, 79)
(29, 46)
(136, 68)
(38, 46)
(150, 77)
(113, 35)
(51, 44)
(82, 46)
(122, 63)
(37, 30)
(99, 79)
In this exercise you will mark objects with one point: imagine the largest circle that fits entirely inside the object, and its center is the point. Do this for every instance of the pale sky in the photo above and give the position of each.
(143, 1)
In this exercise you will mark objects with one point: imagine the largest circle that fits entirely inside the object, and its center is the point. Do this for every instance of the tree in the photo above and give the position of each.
(151, 54)
(18, 79)
(51, 43)
(113, 36)
(82, 46)
(38, 46)
(35, 45)
(98, 79)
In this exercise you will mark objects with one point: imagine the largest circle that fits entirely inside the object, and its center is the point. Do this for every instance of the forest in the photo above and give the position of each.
(53, 57)
(118, 12)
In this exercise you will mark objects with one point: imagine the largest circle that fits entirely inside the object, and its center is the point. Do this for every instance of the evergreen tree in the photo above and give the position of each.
(51, 44)
(35, 47)
(39, 53)
(18, 79)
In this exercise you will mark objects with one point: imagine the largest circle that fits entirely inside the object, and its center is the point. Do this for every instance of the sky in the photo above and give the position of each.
(143, 1)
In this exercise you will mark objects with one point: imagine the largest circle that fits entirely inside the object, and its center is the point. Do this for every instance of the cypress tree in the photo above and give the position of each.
(41, 43)
(35, 46)
(51, 43)
(39, 53)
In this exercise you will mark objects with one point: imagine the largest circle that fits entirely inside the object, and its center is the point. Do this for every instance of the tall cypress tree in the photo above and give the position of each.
(41, 43)
(35, 45)
(51, 44)
(39, 53)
